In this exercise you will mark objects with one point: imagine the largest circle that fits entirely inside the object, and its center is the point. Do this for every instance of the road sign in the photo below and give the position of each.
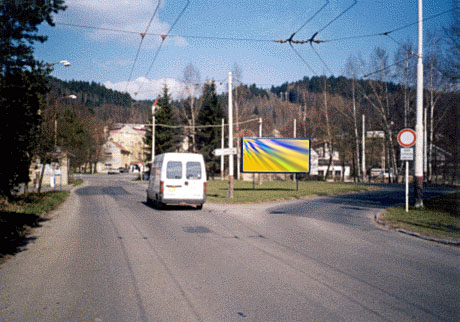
(227, 151)
(406, 138)
(407, 154)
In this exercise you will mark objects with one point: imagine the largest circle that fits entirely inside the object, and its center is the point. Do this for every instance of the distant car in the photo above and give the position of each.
(122, 170)
(113, 171)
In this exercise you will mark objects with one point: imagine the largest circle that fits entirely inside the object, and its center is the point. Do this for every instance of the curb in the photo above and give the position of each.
(414, 234)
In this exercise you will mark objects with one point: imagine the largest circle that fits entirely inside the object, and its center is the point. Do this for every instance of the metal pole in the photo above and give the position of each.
(364, 147)
(230, 136)
(153, 133)
(222, 157)
(295, 135)
(260, 135)
(407, 186)
(295, 128)
(153, 139)
(419, 126)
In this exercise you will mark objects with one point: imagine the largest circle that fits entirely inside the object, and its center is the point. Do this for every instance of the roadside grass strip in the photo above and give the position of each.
(243, 192)
(440, 218)
(23, 212)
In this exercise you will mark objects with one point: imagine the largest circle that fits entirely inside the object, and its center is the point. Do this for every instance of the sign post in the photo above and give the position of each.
(406, 139)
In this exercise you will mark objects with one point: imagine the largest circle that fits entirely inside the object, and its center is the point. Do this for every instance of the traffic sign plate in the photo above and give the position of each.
(227, 151)
(407, 154)
(406, 138)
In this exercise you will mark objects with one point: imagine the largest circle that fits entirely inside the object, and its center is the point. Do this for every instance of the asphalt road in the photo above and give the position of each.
(107, 256)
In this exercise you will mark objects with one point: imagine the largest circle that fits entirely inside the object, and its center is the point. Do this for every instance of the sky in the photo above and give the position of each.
(100, 54)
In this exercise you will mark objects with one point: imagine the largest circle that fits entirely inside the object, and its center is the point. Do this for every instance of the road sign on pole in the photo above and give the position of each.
(227, 151)
(407, 138)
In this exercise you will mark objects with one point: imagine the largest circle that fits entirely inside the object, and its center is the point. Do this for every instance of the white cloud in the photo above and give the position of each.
(128, 15)
(149, 89)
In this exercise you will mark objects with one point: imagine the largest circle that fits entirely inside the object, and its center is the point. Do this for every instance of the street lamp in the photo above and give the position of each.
(61, 62)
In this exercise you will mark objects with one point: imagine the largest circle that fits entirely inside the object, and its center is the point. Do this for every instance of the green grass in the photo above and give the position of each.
(76, 182)
(20, 213)
(277, 190)
(440, 218)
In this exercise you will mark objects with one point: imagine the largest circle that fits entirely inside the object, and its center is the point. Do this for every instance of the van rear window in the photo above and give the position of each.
(193, 170)
(174, 170)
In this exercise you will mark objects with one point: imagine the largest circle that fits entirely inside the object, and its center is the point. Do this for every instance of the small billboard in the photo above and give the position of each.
(276, 155)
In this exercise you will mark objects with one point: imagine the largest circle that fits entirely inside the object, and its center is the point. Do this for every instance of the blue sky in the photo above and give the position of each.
(107, 57)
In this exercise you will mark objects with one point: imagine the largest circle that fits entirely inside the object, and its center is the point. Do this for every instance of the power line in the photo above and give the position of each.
(338, 16)
(200, 126)
(170, 35)
(301, 58)
(309, 19)
(386, 32)
(163, 37)
(140, 45)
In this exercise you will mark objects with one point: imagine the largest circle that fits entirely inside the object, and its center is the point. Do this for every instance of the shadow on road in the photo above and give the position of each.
(15, 229)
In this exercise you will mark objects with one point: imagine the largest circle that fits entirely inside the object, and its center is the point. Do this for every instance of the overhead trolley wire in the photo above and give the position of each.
(202, 126)
(386, 33)
(310, 19)
(338, 16)
(140, 45)
(163, 38)
(170, 35)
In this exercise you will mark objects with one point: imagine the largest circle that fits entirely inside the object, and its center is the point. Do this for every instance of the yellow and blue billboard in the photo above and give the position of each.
(282, 155)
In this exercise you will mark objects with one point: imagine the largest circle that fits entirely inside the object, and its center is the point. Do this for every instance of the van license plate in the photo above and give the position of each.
(172, 189)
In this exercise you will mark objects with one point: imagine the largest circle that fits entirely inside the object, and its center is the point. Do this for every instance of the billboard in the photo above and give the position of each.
(281, 155)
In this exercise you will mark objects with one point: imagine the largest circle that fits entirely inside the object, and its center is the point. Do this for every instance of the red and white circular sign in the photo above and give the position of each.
(406, 138)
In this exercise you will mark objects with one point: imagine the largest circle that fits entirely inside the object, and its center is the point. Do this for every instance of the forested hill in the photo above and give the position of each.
(89, 94)
(294, 92)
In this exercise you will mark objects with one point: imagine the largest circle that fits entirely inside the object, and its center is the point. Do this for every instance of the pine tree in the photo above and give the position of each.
(208, 138)
(166, 138)
(22, 86)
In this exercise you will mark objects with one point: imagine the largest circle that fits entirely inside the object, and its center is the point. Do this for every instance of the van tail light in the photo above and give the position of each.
(162, 187)
(204, 188)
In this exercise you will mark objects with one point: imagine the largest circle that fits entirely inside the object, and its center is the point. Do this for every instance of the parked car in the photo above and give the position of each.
(177, 179)
(113, 171)
(122, 170)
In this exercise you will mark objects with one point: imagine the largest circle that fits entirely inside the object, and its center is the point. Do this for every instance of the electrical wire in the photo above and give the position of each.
(309, 19)
(200, 126)
(170, 35)
(387, 32)
(163, 38)
(301, 58)
(338, 16)
(140, 45)
(321, 59)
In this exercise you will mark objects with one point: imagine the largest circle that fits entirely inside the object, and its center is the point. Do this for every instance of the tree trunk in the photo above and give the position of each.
(357, 173)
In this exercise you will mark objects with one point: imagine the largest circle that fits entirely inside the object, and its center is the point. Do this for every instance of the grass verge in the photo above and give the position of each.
(440, 218)
(20, 213)
(277, 190)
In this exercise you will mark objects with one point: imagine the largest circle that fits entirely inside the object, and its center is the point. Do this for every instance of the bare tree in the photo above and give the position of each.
(379, 99)
(436, 84)
(406, 73)
(352, 68)
(189, 110)
(237, 75)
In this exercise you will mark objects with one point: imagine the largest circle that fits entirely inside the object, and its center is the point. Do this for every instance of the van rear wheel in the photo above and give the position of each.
(199, 207)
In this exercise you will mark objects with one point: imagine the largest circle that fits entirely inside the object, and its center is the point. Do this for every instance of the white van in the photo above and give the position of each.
(177, 179)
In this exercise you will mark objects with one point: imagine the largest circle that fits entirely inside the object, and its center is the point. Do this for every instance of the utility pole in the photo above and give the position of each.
(230, 136)
(153, 133)
(222, 157)
(364, 147)
(419, 114)
(260, 135)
